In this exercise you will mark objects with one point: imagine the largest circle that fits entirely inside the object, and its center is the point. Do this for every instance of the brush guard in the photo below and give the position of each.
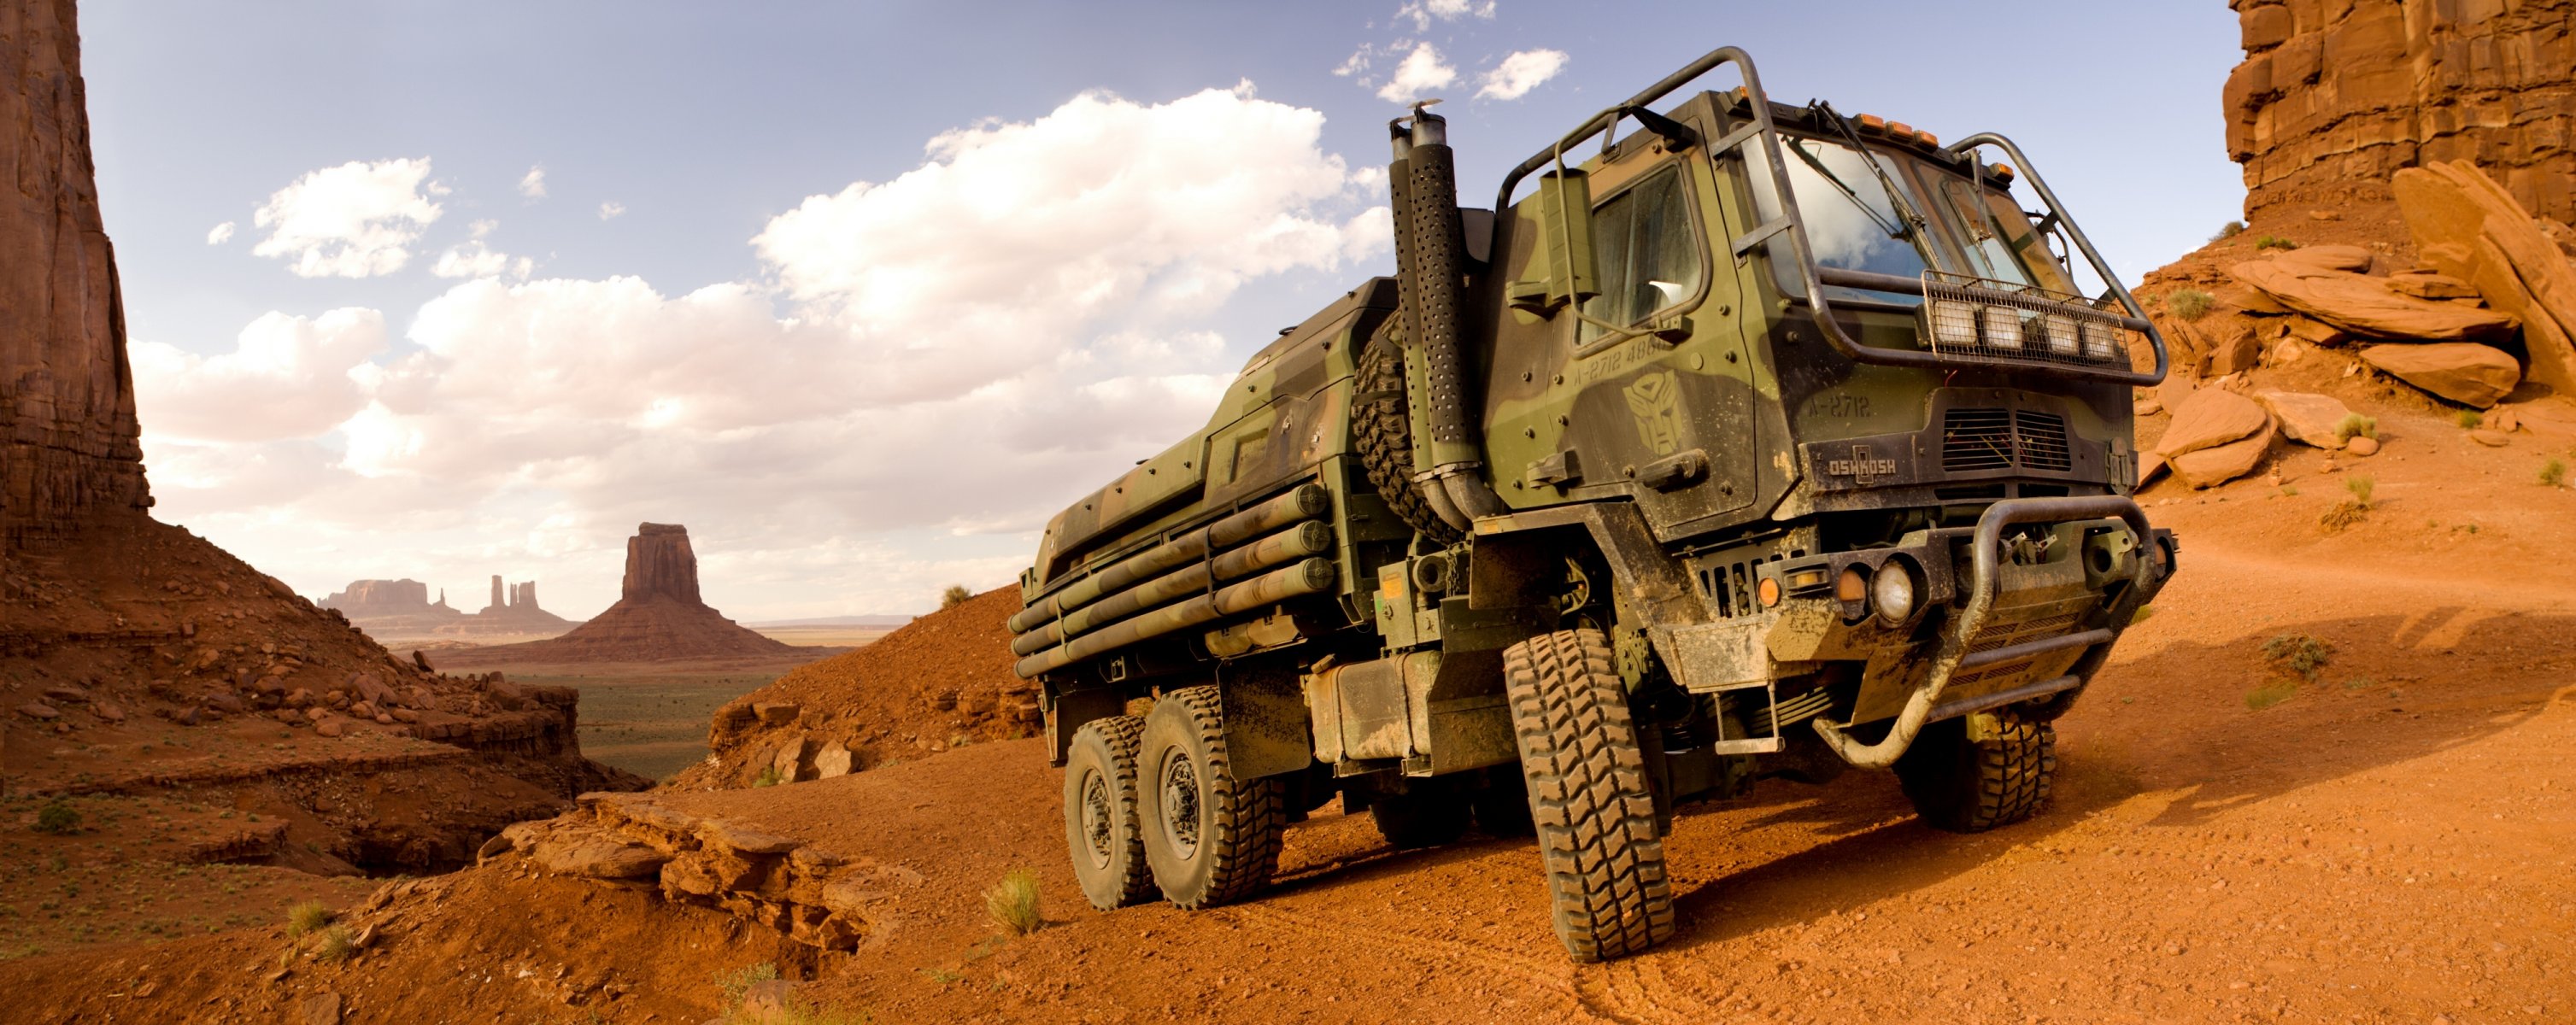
(1958, 646)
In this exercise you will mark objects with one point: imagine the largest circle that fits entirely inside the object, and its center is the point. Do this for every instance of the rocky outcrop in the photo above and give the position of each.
(2334, 96)
(660, 616)
(815, 896)
(2469, 228)
(68, 434)
(2306, 417)
(2365, 305)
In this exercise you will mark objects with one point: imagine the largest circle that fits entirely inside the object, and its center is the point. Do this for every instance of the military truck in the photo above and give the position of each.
(1758, 442)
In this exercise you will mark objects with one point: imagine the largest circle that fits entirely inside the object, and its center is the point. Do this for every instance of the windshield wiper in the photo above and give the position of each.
(1895, 196)
(1871, 212)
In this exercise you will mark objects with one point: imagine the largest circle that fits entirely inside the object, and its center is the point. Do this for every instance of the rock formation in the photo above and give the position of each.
(149, 663)
(382, 597)
(2334, 96)
(660, 615)
(67, 427)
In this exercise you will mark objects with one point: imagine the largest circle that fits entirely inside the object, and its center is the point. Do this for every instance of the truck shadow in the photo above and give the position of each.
(2178, 721)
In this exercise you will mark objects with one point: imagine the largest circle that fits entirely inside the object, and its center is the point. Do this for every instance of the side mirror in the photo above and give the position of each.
(1565, 238)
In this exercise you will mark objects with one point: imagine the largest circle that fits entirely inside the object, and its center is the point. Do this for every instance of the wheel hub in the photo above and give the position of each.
(1096, 818)
(1181, 806)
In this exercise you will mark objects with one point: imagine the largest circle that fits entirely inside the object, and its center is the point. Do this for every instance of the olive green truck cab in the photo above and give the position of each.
(1755, 441)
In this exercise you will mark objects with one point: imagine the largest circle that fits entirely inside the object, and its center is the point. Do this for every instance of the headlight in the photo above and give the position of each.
(1954, 323)
(2101, 341)
(1892, 592)
(2003, 327)
(2061, 334)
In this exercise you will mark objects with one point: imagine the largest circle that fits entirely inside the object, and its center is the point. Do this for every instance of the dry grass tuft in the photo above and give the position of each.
(1013, 902)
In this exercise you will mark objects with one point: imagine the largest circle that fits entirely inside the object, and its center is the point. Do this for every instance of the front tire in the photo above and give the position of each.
(1210, 838)
(1971, 780)
(1588, 795)
(1101, 828)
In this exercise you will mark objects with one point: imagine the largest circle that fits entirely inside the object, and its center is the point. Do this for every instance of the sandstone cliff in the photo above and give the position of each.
(2335, 96)
(67, 427)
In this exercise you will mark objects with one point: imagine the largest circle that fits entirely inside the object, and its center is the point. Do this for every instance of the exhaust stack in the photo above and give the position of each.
(1430, 256)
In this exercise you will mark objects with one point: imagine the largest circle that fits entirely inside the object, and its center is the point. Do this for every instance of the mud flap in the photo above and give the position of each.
(1267, 731)
(1066, 712)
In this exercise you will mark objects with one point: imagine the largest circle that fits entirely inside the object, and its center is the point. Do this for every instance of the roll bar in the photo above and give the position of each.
(1762, 129)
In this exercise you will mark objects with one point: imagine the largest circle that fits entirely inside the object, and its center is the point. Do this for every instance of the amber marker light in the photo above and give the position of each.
(1853, 585)
(1768, 591)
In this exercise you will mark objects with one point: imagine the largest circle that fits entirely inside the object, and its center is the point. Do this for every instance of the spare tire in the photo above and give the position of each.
(1382, 430)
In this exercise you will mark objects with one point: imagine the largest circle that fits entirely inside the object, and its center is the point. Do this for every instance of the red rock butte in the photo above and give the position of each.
(2335, 96)
(659, 617)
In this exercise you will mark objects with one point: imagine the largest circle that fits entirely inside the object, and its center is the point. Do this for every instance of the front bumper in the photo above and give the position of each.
(1995, 623)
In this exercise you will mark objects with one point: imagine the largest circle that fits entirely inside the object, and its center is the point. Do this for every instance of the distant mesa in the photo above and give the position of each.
(402, 609)
(660, 615)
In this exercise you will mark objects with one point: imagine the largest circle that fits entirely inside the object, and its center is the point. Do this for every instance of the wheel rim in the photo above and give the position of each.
(1181, 806)
(1097, 819)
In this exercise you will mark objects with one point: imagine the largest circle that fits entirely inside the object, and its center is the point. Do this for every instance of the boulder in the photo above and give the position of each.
(2463, 372)
(2209, 418)
(39, 711)
(775, 713)
(2362, 446)
(2470, 228)
(789, 761)
(834, 760)
(2240, 352)
(2490, 438)
(2305, 417)
(2366, 305)
(2353, 259)
(2211, 467)
(598, 856)
(2552, 418)
(320, 1009)
(2149, 466)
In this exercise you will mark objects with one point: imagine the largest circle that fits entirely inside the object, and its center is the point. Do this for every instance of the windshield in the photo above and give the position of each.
(1999, 239)
(1850, 222)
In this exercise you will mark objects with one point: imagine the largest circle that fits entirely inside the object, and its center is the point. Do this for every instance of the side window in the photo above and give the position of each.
(1649, 253)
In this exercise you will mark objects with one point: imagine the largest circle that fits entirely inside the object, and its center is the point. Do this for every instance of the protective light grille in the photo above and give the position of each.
(1981, 320)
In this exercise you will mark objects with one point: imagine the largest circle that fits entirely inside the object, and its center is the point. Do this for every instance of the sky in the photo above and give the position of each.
(864, 293)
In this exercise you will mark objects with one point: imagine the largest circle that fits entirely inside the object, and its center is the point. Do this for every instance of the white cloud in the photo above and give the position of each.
(470, 260)
(1520, 73)
(611, 209)
(1421, 72)
(220, 234)
(533, 184)
(286, 377)
(929, 367)
(355, 220)
(1423, 12)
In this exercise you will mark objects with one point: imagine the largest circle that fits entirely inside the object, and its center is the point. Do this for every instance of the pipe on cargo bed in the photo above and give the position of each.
(1431, 282)
(1308, 577)
(1304, 502)
(1313, 537)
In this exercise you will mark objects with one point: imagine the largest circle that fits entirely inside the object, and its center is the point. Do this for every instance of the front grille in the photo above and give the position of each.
(2042, 441)
(1976, 439)
(1996, 439)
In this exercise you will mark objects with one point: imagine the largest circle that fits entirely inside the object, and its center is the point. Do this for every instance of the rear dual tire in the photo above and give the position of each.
(1210, 838)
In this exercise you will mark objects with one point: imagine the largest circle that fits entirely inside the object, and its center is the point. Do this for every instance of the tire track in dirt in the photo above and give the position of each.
(1592, 991)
